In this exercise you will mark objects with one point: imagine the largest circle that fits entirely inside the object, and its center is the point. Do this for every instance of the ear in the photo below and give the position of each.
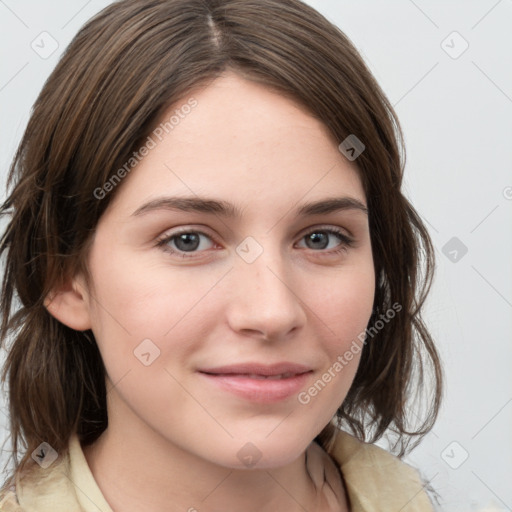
(69, 304)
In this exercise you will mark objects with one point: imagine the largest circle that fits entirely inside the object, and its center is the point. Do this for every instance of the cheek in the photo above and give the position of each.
(347, 306)
(134, 302)
(345, 312)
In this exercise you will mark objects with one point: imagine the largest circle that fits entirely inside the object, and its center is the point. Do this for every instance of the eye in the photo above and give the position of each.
(183, 242)
(319, 239)
(187, 243)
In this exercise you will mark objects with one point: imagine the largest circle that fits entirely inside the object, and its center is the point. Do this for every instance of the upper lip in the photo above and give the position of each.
(258, 369)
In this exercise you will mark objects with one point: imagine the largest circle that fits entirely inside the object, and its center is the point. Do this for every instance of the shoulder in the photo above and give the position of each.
(9, 501)
(61, 484)
(41, 487)
(377, 480)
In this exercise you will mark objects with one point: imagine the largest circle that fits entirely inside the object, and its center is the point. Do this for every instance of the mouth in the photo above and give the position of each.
(258, 382)
(257, 376)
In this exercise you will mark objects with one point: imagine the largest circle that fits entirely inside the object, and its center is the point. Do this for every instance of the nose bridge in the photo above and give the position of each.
(266, 300)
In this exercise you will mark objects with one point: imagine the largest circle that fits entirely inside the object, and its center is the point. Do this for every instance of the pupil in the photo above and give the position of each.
(315, 237)
(187, 238)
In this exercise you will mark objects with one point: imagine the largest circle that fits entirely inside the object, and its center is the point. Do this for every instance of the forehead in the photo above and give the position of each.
(242, 141)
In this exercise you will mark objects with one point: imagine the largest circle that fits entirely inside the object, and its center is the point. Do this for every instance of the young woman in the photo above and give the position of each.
(212, 287)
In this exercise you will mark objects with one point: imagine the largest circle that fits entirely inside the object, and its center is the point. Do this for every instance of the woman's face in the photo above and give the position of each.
(224, 341)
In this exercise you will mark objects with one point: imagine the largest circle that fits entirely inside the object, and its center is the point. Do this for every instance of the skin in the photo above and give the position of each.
(306, 304)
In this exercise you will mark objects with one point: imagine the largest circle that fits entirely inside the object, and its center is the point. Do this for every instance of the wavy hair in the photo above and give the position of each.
(111, 85)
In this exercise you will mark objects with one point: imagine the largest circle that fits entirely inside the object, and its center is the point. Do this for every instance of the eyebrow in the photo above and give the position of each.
(229, 210)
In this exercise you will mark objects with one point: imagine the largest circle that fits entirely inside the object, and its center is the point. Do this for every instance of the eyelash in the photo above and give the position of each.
(346, 241)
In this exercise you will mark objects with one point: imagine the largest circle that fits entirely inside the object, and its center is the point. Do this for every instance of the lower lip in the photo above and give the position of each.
(260, 390)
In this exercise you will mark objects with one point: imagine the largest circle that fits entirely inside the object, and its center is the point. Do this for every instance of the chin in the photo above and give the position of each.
(263, 453)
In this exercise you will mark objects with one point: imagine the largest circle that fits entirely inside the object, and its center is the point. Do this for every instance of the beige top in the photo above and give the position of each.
(376, 481)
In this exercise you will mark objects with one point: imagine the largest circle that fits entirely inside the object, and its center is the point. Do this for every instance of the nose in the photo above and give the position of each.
(264, 303)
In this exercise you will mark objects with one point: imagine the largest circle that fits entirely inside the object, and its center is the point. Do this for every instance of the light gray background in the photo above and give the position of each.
(455, 107)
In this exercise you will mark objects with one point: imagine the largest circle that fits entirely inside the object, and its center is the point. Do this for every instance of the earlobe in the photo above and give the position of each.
(69, 305)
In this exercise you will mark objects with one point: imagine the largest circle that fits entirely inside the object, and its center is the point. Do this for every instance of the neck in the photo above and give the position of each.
(153, 474)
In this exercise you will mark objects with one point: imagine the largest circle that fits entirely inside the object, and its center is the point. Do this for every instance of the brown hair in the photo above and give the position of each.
(115, 79)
